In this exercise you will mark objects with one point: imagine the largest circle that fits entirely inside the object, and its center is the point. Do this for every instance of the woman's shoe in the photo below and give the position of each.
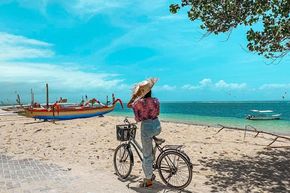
(146, 183)
(153, 177)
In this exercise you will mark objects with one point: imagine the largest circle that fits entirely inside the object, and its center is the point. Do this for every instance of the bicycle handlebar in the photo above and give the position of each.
(126, 121)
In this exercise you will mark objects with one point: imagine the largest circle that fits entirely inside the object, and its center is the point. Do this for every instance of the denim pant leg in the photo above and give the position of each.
(149, 128)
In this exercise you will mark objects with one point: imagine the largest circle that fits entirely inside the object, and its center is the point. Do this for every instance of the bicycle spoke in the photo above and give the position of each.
(123, 155)
(169, 177)
(170, 162)
(168, 171)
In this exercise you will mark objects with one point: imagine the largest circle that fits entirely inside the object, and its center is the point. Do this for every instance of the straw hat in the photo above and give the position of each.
(142, 88)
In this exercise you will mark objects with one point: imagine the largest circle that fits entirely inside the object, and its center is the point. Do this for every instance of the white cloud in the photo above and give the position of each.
(92, 7)
(205, 82)
(190, 87)
(275, 86)
(57, 76)
(15, 47)
(14, 39)
(221, 84)
(232, 86)
(19, 47)
(165, 88)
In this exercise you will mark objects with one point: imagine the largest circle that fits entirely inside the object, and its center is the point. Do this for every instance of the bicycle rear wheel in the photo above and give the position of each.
(122, 161)
(175, 169)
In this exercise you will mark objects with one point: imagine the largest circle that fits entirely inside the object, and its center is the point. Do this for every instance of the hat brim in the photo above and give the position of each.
(142, 88)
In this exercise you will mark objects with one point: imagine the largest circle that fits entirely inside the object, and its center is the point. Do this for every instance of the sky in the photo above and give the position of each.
(99, 47)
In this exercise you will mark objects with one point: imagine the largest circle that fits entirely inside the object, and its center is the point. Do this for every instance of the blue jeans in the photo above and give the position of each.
(149, 128)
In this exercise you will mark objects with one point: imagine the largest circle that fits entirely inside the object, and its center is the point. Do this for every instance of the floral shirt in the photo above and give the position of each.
(146, 108)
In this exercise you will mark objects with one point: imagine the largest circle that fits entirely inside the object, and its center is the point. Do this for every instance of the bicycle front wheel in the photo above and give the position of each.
(123, 161)
(175, 169)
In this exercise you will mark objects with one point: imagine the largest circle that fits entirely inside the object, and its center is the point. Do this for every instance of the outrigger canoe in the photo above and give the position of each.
(60, 111)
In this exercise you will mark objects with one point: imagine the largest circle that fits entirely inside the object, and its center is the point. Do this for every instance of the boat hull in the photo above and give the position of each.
(67, 114)
(263, 118)
(56, 112)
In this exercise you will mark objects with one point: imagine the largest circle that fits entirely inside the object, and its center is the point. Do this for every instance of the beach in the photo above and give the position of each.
(222, 162)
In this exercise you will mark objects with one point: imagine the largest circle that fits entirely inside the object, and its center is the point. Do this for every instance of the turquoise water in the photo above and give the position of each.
(225, 113)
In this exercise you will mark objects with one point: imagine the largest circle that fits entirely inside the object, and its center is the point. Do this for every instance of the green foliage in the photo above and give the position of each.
(219, 16)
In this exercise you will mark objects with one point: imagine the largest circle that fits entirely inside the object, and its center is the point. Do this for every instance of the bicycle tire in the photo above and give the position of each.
(126, 156)
(181, 155)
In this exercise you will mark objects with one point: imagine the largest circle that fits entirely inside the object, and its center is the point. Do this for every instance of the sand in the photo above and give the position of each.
(223, 162)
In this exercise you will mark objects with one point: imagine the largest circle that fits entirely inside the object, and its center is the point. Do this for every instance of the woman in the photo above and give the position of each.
(146, 109)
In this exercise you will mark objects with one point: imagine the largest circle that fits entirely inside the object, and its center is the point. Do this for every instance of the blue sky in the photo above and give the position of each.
(97, 47)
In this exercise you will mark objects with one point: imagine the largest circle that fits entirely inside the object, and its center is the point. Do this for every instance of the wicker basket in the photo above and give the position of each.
(124, 132)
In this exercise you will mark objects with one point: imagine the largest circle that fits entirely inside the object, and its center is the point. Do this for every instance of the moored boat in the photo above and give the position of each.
(263, 115)
(62, 111)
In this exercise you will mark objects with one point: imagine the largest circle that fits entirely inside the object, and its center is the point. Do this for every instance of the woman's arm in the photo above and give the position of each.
(129, 105)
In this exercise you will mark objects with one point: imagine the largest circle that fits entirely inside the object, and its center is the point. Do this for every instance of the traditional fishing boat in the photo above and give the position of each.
(263, 115)
(66, 111)
(62, 110)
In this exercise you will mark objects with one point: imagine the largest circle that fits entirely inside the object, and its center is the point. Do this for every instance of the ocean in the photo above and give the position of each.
(224, 113)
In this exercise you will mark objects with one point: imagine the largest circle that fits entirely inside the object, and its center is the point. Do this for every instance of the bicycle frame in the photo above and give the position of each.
(137, 147)
(139, 150)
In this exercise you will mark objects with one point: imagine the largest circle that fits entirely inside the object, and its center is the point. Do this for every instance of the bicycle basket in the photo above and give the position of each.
(125, 131)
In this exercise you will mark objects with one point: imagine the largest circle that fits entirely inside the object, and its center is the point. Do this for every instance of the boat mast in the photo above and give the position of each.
(32, 97)
(47, 99)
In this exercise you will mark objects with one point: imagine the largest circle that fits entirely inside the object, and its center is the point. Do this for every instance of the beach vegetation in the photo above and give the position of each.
(267, 21)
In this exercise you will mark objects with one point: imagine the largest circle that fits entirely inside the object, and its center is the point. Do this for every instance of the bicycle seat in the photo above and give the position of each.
(158, 141)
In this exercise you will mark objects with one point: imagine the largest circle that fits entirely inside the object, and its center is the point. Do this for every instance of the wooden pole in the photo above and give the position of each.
(47, 94)
(32, 97)
(113, 98)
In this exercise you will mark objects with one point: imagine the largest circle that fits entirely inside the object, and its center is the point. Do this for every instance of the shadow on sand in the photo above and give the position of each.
(269, 171)
(133, 182)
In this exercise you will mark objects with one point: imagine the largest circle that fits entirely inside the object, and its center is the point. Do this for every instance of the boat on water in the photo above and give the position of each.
(66, 111)
(263, 115)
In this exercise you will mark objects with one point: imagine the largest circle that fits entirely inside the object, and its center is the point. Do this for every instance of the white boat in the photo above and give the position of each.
(263, 115)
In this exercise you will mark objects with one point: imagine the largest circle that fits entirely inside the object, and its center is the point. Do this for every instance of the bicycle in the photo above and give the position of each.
(170, 162)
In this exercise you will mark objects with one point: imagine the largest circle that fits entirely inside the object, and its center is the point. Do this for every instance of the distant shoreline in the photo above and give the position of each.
(209, 101)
